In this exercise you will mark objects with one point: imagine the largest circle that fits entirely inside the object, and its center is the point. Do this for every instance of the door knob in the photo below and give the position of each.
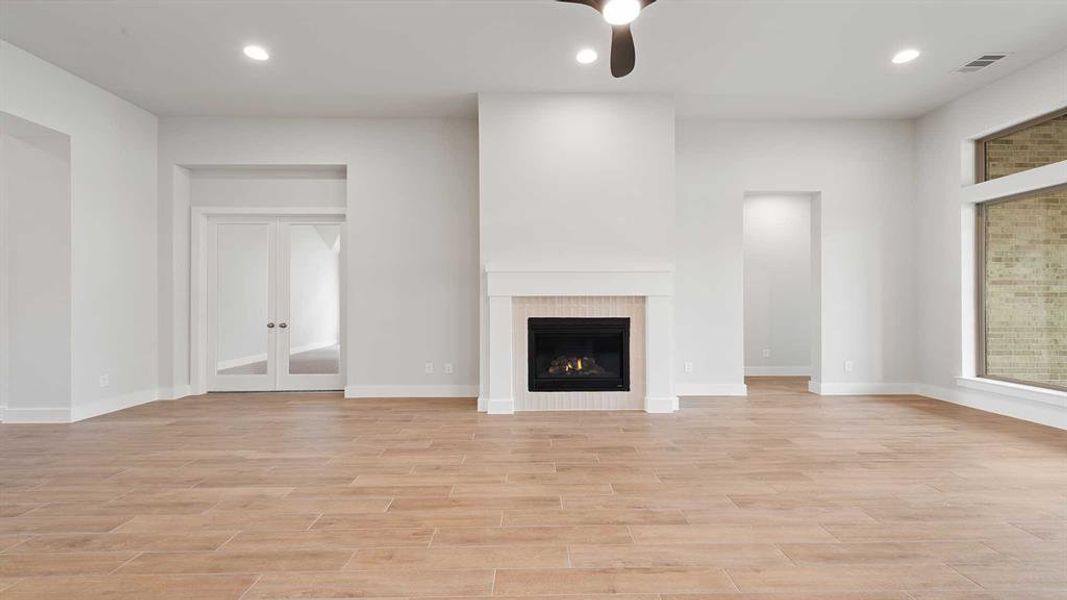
(283, 325)
(270, 325)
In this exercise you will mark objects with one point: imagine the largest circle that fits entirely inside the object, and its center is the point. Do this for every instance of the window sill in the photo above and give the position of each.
(1015, 390)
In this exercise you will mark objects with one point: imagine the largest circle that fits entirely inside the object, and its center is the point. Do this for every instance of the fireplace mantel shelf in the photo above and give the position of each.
(583, 281)
(641, 268)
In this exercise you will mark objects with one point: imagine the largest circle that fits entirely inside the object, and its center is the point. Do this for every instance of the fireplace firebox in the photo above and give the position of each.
(579, 354)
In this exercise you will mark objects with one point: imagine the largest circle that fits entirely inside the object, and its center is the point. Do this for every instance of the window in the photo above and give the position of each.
(1022, 259)
(1022, 288)
(1035, 143)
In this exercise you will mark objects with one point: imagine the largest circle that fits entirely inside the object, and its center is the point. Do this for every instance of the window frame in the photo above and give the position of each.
(981, 216)
(980, 143)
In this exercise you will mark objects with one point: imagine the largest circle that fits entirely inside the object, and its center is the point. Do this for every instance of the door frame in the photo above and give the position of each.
(198, 301)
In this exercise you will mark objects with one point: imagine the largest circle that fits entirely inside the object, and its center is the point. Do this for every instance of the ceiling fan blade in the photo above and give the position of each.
(623, 53)
(645, 3)
(594, 4)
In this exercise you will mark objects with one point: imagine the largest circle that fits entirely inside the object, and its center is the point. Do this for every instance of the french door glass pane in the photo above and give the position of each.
(314, 299)
(243, 280)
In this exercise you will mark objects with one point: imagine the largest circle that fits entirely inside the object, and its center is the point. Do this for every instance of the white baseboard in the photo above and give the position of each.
(1056, 398)
(1033, 411)
(768, 371)
(860, 388)
(1013, 406)
(711, 389)
(499, 406)
(175, 393)
(36, 415)
(74, 414)
(411, 391)
(1024, 409)
(241, 361)
(665, 405)
(110, 405)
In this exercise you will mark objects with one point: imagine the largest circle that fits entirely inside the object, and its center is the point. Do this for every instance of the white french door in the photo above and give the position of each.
(274, 297)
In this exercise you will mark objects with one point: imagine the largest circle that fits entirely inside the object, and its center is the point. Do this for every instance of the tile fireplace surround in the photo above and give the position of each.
(643, 294)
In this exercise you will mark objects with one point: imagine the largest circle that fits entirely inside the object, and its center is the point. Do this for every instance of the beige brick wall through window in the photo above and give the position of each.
(1025, 288)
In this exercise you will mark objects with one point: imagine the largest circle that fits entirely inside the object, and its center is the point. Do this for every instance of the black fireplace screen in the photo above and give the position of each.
(579, 354)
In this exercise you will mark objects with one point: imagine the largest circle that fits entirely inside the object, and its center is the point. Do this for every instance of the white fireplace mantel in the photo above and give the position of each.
(654, 283)
(511, 282)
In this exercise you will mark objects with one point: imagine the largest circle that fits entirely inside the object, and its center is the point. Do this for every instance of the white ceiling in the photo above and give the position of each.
(752, 59)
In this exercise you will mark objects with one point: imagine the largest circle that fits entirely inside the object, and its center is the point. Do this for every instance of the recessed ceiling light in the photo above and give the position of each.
(621, 12)
(256, 52)
(905, 56)
(586, 56)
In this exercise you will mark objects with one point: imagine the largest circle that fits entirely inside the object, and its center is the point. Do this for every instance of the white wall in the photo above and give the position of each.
(316, 187)
(411, 235)
(113, 226)
(576, 179)
(778, 303)
(35, 262)
(944, 223)
(5, 250)
(862, 174)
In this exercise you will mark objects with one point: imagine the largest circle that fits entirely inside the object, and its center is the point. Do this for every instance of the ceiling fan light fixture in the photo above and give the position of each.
(621, 12)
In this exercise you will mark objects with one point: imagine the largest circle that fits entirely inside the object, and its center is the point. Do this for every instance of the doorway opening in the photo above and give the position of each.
(36, 346)
(781, 308)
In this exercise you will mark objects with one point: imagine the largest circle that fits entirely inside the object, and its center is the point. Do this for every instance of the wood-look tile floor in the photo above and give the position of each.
(782, 495)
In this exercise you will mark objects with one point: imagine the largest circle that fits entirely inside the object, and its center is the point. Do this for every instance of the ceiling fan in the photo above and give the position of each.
(619, 14)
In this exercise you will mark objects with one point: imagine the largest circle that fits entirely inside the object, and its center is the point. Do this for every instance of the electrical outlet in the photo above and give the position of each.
(428, 367)
(766, 353)
(849, 365)
(688, 366)
(448, 368)
(105, 380)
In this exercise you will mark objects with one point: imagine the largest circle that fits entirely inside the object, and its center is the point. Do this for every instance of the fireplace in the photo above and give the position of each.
(578, 354)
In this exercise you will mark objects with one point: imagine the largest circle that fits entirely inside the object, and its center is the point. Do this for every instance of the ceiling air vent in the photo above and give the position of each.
(981, 62)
